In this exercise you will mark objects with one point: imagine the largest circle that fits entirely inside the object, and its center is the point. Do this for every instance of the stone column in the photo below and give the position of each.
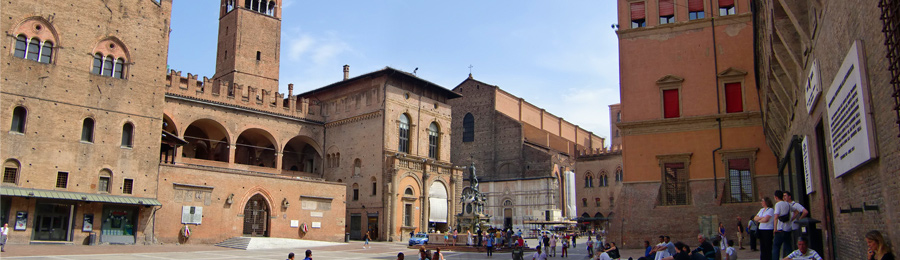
(278, 161)
(231, 151)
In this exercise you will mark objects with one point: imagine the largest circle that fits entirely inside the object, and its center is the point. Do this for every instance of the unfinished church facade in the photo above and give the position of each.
(150, 156)
(525, 155)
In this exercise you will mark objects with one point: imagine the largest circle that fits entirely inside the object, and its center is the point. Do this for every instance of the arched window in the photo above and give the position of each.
(403, 130)
(35, 39)
(469, 128)
(619, 176)
(18, 120)
(271, 9)
(105, 180)
(117, 69)
(433, 138)
(229, 5)
(98, 64)
(21, 46)
(128, 135)
(108, 66)
(34, 49)
(357, 167)
(374, 186)
(584, 202)
(11, 171)
(409, 191)
(110, 59)
(355, 192)
(87, 130)
(46, 52)
(588, 180)
(619, 116)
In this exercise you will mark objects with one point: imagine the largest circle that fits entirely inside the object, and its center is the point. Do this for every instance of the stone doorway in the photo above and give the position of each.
(256, 217)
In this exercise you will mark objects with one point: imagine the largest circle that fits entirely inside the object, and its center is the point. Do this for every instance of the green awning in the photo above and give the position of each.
(67, 195)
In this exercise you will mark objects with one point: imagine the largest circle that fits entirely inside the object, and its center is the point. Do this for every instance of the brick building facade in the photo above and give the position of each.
(692, 136)
(599, 185)
(816, 61)
(150, 154)
(524, 155)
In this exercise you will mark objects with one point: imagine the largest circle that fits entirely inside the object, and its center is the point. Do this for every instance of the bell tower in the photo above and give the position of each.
(249, 43)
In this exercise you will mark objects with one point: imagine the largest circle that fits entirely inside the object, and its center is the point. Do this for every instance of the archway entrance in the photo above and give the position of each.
(256, 217)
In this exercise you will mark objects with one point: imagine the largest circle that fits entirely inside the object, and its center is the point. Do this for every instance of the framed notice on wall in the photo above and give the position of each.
(88, 223)
(849, 122)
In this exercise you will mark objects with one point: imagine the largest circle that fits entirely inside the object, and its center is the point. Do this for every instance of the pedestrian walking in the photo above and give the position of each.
(752, 229)
(590, 247)
(740, 233)
(538, 255)
(366, 236)
(290, 256)
(4, 235)
(489, 244)
(553, 245)
(573, 240)
(565, 248)
(308, 255)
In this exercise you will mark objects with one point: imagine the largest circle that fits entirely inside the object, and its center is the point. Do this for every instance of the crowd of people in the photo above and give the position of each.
(774, 227)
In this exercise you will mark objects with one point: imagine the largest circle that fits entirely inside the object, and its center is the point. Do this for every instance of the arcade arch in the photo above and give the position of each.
(301, 153)
(207, 140)
(256, 147)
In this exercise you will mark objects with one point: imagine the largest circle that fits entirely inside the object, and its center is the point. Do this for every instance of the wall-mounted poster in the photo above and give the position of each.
(849, 121)
(21, 220)
(88, 223)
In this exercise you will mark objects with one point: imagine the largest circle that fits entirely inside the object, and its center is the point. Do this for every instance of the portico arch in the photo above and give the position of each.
(256, 147)
(207, 140)
(302, 153)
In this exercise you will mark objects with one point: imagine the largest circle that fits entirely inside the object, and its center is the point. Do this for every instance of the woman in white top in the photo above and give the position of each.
(766, 228)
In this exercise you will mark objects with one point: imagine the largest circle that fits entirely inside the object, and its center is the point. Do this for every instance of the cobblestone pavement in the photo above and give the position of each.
(352, 250)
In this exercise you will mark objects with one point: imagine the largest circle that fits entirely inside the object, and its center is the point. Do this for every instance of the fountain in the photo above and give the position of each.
(473, 201)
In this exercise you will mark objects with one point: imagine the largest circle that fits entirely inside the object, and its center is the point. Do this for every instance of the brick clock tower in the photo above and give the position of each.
(249, 43)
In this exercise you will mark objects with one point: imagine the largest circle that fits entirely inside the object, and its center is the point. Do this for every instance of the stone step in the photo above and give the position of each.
(236, 243)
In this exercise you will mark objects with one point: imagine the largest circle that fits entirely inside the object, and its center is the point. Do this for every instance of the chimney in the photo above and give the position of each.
(346, 72)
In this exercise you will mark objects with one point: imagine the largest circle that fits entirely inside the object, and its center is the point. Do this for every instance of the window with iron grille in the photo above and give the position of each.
(674, 184)
(128, 186)
(10, 174)
(890, 16)
(62, 180)
(740, 185)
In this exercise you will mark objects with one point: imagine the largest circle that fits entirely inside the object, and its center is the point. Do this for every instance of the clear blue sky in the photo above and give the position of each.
(559, 55)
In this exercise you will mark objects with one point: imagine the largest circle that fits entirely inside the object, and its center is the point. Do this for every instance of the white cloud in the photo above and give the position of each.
(286, 3)
(319, 50)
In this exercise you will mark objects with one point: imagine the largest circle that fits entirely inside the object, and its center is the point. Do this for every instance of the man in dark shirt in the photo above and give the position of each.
(705, 247)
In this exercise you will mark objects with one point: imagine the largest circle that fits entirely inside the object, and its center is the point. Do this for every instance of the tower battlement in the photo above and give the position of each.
(233, 94)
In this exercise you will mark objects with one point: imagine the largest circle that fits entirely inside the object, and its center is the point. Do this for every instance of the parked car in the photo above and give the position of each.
(419, 239)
